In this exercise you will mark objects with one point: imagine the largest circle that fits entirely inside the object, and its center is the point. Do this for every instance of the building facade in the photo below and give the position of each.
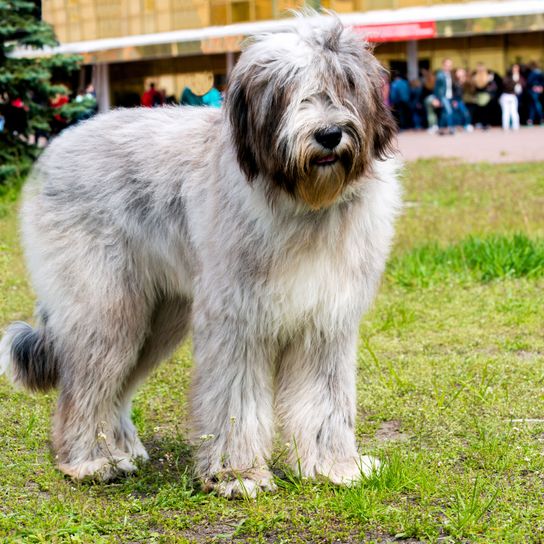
(126, 44)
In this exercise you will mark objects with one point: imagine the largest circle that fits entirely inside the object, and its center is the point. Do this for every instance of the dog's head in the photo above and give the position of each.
(307, 111)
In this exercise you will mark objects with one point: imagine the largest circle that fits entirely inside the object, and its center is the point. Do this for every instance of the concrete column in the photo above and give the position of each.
(230, 63)
(101, 83)
(411, 55)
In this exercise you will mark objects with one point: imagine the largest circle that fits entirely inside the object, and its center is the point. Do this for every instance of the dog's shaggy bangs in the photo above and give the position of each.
(274, 83)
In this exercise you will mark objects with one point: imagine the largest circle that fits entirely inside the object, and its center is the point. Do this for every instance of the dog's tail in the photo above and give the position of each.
(27, 357)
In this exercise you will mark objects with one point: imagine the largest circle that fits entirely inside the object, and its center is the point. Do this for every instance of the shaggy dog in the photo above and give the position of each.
(262, 227)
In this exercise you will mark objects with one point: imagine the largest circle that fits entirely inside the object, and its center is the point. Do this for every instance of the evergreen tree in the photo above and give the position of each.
(26, 85)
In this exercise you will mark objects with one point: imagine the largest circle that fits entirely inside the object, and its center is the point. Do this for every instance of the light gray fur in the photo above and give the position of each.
(140, 224)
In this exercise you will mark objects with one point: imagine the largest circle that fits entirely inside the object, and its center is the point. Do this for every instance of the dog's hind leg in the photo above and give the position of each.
(316, 406)
(170, 324)
(231, 403)
(100, 349)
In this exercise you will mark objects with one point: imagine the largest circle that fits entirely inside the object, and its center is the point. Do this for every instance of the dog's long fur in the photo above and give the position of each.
(140, 224)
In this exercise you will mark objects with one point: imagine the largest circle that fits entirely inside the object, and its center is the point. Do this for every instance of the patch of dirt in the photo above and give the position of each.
(218, 532)
(528, 355)
(390, 431)
(379, 538)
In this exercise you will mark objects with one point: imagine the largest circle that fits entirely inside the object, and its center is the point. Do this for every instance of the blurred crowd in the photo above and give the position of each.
(454, 98)
(70, 109)
(153, 97)
(440, 102)
(67, 110)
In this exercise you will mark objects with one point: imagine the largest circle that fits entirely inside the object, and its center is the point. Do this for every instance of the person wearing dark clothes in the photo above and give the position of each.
(461, 114)
(535, 87)
(399, 96)
(16, 117)
(416, 104)
(485, 90)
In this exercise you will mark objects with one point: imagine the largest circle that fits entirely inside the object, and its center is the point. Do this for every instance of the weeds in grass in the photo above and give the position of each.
(388, 375)
(446, 396)
(400, 476)
(396, 317)
(484, 387)
(464, 513)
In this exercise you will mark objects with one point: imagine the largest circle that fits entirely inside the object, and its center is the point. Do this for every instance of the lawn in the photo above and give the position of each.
(451, 396)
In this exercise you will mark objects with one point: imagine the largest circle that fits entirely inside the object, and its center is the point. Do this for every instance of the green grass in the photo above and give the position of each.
(479, 259)
(450, 395)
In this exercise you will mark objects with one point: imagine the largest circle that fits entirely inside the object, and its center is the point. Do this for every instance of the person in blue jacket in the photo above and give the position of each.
(443, 91)
(399, 96)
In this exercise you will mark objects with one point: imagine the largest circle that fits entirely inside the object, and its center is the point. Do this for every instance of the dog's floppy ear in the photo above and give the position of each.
(237, 105)
(385, 128)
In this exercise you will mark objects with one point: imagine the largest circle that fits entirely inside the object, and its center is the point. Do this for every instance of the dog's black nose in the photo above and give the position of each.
(329, 137)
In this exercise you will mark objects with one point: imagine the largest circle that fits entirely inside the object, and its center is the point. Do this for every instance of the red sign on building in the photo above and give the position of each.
(397, 32)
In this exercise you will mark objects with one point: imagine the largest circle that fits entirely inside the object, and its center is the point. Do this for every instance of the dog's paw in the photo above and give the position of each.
(134, 448)
(351, 471)
(137, 451)
(234, 484)
(102, 469)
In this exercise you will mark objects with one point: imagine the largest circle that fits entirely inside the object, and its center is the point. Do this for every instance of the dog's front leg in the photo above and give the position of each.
(231, 405)
(316, 406)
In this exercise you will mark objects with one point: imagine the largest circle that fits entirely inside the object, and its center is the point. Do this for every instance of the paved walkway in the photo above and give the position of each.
(491, 146)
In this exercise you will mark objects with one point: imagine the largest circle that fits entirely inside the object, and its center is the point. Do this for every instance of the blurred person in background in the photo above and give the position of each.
(428, 79)
(443, 91)
(535, 88)
(16, 117)
(520, 84)
(485, 90)
(512, 87)
(59, 122)
(462, 116)
(430, 103)
(433, 110)
(417, 108)
(399, 96)
(151, 98)
(87, 98)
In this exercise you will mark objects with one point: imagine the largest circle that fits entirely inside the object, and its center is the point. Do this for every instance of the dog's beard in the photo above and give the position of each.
(323, 176)
(323, 185)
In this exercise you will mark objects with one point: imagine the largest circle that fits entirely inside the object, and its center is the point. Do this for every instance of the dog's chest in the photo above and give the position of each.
(318, 285)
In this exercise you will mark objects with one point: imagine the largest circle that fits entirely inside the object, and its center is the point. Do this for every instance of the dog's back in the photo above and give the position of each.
(108, 190)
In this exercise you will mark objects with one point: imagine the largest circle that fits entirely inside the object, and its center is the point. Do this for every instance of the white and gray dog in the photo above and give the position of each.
(263, 227)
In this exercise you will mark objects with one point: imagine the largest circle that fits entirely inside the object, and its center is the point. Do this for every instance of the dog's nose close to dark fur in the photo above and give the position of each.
(329, 137)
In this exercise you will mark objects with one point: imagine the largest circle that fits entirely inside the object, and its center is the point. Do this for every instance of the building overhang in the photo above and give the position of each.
(445, 20)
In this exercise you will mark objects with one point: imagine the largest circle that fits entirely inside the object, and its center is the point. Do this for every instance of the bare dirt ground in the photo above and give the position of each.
(494, 145)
